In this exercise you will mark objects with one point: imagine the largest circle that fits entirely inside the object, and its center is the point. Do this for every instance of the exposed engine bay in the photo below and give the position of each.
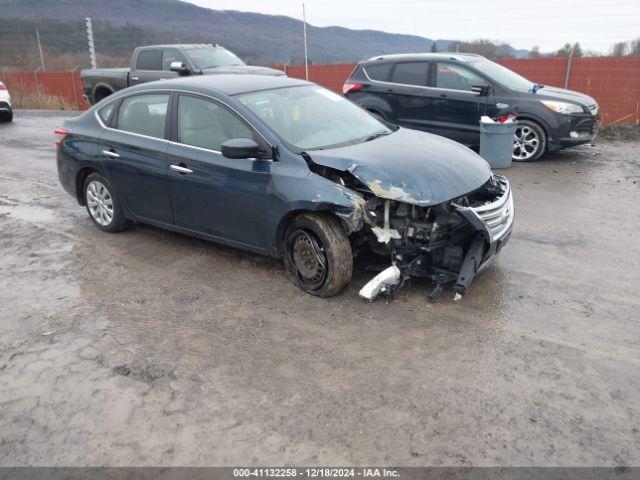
(449, 242)
(444, 243)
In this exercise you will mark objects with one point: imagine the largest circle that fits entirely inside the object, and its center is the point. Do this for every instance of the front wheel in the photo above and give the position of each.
(529, 143)
(317, 254)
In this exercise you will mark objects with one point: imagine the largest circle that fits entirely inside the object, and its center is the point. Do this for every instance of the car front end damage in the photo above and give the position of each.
(449, 242)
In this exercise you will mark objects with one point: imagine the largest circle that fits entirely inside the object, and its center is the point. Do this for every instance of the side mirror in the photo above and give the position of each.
(482, 90)
(179, 67)
(241, 148)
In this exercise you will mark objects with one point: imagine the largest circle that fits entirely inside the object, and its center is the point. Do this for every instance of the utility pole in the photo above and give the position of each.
(568, 70)
(306, 60)
(40, 48)
(92, 48)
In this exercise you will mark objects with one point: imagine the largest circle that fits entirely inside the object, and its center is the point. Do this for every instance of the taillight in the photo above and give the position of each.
(2, 86)
(351, 87)
(60, 133)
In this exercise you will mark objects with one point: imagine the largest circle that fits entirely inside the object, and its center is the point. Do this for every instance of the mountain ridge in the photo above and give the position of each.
(259, 37)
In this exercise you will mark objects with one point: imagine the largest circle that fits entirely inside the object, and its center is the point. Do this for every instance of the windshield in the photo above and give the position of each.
(312, 117)
(211, 57)
(504, 76)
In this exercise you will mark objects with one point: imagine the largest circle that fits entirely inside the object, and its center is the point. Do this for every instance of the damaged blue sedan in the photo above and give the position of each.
(286, 168)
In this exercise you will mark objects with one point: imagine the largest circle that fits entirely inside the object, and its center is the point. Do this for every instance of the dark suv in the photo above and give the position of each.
(447, 94)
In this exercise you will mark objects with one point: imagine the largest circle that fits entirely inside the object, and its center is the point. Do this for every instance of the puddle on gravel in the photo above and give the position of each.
(28, 213)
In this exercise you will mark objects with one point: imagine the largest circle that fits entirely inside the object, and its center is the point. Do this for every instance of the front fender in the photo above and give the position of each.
(318, 194)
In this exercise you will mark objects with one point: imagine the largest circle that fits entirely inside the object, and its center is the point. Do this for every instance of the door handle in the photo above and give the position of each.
(180, 169)
(135, 78)
(110, 153)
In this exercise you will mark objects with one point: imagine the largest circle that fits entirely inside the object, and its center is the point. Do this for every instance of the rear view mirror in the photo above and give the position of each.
(179, 67)
(241, 148)
(482, 90)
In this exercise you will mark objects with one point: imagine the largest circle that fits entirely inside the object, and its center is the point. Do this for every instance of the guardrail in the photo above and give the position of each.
(613, 81)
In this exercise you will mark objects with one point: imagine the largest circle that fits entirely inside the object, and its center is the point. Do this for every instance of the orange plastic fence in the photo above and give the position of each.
(613, 81)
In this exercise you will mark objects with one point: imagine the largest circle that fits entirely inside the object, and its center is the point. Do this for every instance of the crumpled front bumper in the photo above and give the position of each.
(493, 223)
(494, 220)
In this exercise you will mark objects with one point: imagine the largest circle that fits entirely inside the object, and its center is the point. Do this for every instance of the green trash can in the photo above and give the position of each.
(496, 143)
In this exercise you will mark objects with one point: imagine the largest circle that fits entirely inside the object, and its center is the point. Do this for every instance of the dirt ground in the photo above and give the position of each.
(152, 348)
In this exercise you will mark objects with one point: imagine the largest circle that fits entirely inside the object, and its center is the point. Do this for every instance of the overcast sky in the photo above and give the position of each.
(546, 23)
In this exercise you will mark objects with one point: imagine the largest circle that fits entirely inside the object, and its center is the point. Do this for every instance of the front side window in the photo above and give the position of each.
(149, 60)
(411, 73)
(170, 56)
(457, 77)
(311, 117)
(144, 114)
(206, 124)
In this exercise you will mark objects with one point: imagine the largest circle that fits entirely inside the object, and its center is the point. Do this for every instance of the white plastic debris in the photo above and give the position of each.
(385, 234)
(380, 283)
(485, 119)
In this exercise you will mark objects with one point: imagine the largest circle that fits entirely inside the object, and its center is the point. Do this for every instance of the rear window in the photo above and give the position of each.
(379, 71)
(149, 60)
(411, 73)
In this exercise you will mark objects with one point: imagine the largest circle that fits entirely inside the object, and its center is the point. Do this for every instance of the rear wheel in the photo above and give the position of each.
(317, 255)
(7, 116)
(102, 204)
(530, 142)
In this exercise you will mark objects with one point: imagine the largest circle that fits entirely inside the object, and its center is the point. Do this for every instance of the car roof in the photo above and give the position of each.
(461, 57)
(180, 45)
(226, 83)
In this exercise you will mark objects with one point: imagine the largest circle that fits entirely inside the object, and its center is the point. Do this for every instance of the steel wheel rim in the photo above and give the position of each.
(309, 259)
(99, 203)
(525, 142)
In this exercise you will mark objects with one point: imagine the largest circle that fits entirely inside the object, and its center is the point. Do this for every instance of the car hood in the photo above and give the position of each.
(410, 166)
(554, 93)
(248, 69)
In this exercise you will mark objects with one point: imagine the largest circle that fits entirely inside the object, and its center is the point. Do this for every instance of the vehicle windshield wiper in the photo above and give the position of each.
(377, 135)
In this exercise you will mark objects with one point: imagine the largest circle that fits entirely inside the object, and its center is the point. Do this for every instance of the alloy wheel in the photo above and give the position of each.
(526, 143)
(100, 203)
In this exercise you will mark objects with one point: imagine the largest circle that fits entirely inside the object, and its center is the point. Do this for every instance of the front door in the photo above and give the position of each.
(152, 65)
(455, 108)
(212, 194)
(134, 154)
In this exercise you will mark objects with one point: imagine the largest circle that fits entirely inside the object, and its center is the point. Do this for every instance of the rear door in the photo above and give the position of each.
(133, 152)
(154, 64)
(455, 108)
(218, 196)
(410, 95)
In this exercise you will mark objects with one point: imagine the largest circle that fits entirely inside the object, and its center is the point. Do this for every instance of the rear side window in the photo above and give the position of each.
(411, 73)
(106, 111)
(379, 71)
(144, 114)
(206, 124)
(457, 77)
(149, 60)
(170, 56)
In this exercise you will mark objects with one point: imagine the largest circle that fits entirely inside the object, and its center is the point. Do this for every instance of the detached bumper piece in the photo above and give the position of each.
(448, 243)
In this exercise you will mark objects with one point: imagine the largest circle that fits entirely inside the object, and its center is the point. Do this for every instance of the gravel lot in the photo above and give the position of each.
(152, 348)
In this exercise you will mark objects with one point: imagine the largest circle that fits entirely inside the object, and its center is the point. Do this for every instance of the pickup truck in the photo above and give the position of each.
(160, 62)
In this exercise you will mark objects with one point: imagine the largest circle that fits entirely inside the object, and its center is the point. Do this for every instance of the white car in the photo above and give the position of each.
(6, 112)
